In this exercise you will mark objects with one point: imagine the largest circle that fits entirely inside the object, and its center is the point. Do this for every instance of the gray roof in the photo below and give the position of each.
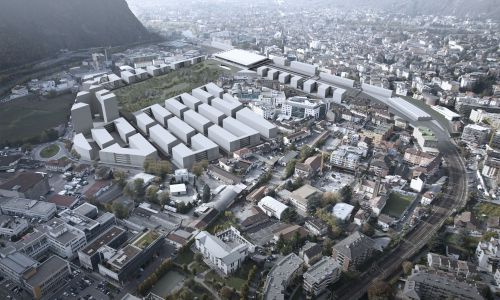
(49, 267)
(18, 263)
(323, 268)
(274, 288)
(354, 245)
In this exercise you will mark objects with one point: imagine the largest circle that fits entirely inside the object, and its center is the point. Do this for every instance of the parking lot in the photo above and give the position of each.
(264, 233)
(333, 181)
(83, 285)
(10, 290)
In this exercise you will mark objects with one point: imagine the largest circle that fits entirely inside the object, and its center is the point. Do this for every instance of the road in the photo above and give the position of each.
(454, 197)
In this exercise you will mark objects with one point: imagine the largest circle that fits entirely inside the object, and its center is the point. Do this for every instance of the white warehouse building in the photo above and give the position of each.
(272, 207)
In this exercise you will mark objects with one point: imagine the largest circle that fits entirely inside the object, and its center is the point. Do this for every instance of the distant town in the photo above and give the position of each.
(318, 157)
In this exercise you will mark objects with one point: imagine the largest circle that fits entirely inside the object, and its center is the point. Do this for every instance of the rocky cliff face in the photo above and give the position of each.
(32, 30)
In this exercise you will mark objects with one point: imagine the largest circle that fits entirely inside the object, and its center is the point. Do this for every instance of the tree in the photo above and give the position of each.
(244, 291)
(120, 210)
(226, 293)
(138, 188)
(152, 193)
(368, 229)
(289, 215)
(119, 177)
(27, 147)
(306, 152)
(380, 290)
(346, 193)
(163, 198)
(488, 235)
(407, 267)
(206, 193)
(313, 204)
(329, 198)
(197, 170)
(159, 168)
(198, 258)
(290, 168)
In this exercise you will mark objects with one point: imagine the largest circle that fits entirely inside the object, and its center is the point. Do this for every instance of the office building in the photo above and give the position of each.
(229, 108)
(321, 275)
(426, 284)
(302, 107)
(48, 277)
(281, 275)
(214, 115)
(124, 129)
(163, 139)
(475, 134)
(345, 159)
(301, 197)
(84, 148)
(25, 185)
(92, 254)
(27, 208)
(190, 101)
(251, 119)
(242, 58)
(197, 121)
(14, 266)
(177, 108)
(226, 250)
(353, 251)
(81, 118)
(122, 264)
(144, 122)
(108, 105)
(426, 139)
(11, 227)
(160, 114)
(272, 207)
(202, 148)
(181, 130)
(203, 95)
(138, 151)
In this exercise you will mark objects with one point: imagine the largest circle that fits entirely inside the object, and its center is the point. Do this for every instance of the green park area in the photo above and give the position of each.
(50, 151)
(488, 209)
(27, 118)
(397, 204)
(157, 89)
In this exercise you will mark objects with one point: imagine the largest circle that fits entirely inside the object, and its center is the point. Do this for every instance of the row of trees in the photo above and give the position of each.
(162, 269)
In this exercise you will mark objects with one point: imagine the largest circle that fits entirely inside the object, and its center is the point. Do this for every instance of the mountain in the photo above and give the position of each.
(459, 8)
(35, 29)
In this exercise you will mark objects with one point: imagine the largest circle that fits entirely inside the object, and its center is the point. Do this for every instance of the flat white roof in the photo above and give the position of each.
(241, 57)
(178, 188)
(200, 142)
(124, 126)
(78, 105)
(342, 210)
(274, 204)
(101, 136)
(406, 107)
(80, 141)
(144, 118)
(445, 111)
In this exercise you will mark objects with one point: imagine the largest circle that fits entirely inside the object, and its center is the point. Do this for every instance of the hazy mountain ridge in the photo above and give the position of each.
(460, 8)
(31, 30)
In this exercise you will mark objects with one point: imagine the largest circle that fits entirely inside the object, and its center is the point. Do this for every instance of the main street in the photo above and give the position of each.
(454, 197)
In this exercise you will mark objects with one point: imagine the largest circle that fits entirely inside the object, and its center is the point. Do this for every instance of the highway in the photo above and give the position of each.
(389, 263)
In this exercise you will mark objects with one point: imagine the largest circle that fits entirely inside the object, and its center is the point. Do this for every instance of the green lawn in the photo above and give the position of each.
(50, 151)
(185, 257)
(397, 204)
(235, 280)
(157, 89)
(488, 209)
(25, 118)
